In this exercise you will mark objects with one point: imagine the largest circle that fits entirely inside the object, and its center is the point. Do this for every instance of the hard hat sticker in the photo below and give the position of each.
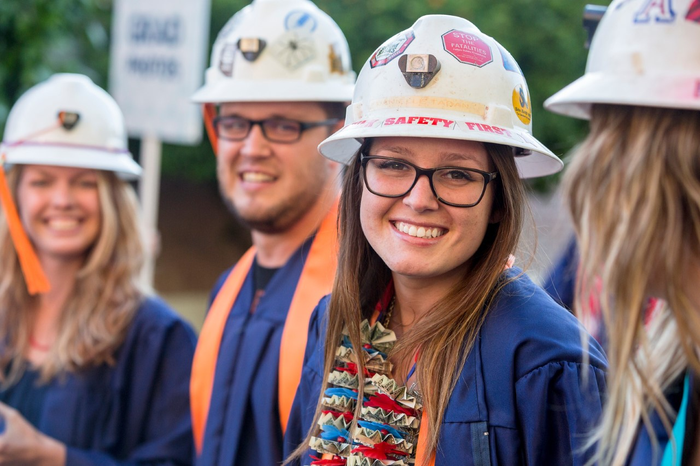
(293, 49)
(391, 49)
(228, 55)
(521, 104)
(419, 120)
(660, 11)
(336, 59)
(251, 47)
(488, 129)
(300, 20)
(467, 48)
(68, 119)
(694, 12)
(470, 127)
(364, 124)
(419, 69)
(509, 62)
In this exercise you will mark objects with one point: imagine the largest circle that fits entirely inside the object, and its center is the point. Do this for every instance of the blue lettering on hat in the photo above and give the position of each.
(660, 11)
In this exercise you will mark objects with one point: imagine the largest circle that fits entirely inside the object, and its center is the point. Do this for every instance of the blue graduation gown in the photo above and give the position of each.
(136, 411)
(561, 280)
(521, 383)
(243, 423)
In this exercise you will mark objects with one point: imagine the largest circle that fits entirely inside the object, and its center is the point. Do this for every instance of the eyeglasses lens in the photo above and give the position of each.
(275, 129)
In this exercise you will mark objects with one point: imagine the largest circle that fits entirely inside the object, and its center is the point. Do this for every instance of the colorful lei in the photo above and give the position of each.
(387, 432)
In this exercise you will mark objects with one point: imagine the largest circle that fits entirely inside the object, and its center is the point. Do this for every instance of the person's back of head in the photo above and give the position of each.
(633, 188)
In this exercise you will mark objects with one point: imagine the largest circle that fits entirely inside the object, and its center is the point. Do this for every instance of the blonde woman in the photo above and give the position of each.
(634, 192)
(92, 371)
(431, 348)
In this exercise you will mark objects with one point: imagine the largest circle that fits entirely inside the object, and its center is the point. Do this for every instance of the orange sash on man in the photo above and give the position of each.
(316, 281)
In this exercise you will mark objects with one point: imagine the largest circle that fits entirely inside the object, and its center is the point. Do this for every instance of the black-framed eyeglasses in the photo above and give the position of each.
(454, 186)
(237, 128)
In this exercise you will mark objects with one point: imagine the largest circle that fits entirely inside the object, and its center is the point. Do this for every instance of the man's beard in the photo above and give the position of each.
(277, 218)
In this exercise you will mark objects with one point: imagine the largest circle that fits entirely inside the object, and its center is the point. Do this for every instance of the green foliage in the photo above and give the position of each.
(40, 37)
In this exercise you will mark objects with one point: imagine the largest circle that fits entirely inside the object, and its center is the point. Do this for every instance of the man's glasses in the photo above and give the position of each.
(454, 186)
(236, 128)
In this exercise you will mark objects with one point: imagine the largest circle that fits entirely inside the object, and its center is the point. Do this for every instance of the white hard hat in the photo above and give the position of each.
(68, 121)
(443, 78)
(279, 50)
(643, 53)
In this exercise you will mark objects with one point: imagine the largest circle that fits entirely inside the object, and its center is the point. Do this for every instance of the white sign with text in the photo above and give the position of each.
(157, 62)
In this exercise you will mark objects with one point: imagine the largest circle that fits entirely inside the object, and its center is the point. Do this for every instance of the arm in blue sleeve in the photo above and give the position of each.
(166, 430)
(558, 408)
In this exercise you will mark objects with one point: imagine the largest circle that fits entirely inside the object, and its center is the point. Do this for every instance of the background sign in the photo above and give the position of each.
(157, 62)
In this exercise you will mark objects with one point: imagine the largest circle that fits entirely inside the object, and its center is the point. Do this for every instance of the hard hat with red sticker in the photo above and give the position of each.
(443, 78)
(644, 52)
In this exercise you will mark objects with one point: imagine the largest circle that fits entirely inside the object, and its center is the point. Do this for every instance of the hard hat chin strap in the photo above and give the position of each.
(29, 262)
(209, 111)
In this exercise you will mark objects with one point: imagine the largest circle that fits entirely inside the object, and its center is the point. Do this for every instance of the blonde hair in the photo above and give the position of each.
(106, 296)
(448, 335)
(633, 189)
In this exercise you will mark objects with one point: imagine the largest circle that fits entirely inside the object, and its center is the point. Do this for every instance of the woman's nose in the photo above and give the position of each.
(62, 195)
(421, 197)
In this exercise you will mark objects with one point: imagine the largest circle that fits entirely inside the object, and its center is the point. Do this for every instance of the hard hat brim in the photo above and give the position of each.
(120, 163)
(277, 91)
(575, 100)
(343, 145)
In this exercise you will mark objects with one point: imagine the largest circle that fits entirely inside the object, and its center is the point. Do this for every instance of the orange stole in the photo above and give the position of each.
(316, 281)
(420, 449)
(34, 275)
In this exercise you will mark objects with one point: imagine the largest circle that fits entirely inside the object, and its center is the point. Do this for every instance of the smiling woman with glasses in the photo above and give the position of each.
(432, 347)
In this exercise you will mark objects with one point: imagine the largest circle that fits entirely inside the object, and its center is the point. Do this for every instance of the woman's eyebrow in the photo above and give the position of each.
(84, 174)
(458, 156)
(399, 150)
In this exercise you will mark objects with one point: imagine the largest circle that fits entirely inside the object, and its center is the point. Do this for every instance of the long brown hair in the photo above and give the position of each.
(106, 296)
(633, 189)
(447, 336)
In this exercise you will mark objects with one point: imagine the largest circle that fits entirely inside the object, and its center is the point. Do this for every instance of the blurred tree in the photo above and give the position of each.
(40, 37)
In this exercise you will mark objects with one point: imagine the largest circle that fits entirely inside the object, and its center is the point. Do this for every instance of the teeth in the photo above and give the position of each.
(256, 177)
(63, 224)
(419, 232)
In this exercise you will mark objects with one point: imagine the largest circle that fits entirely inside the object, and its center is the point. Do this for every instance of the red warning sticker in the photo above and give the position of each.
(467, 48)
(694, 12)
